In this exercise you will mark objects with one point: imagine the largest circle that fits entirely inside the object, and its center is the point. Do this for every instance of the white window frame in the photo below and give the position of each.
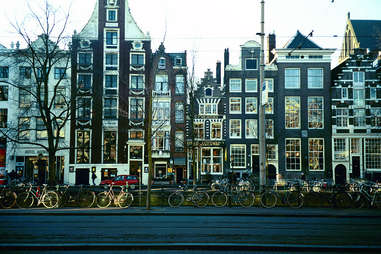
(212, 161)
(239, 82)
(315, 154)
(211, 130)
(256, 63)
(267, 134)
(242, 154)
(250, 123)
(289, 153)
(298, 113)
(288, 78)
(270, 88)
(236, 128)
(115, 44)
(235, 102)
(130, 107)
(320, 77)
(255, 100)
(116, 15)
(138, 53)
(137, 75)
(247, 87)
(312, 110)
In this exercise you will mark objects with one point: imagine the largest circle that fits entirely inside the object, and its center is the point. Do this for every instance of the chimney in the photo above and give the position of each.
(226, 58)
(271, 44)
(218, 73)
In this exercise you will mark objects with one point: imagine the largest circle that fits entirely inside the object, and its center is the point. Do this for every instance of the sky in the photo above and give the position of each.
(204, 28)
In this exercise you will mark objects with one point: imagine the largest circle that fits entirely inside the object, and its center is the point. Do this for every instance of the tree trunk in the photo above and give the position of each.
(52, 169)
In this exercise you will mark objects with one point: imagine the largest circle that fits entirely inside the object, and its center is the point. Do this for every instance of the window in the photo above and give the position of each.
(359, 117)
(25, 72)
(251, 128)
(216, 130)
(209, 92)
(83, 147)
(251, 105)
(179, 84)
(111, 15)
(358, 78)
(111, 61)
(111, 39)
(315, 154)
(292, 111)
(41, 132)
(355, 145)
(179, 112)
(59, 73)
(315, 112)
(161, 141)
(292, 78)
(4, 71)
(373, 93)
(84, 82)
(160, 170)
(238, 156)
(208, 109)
(235, 105)
(235, 128)
(359, 97)
(137, 59)
(59, 128)
(161, 64)
(84, 59)
(269, 107)
(340, 149)
(3, 117)
(344, 93)
(211, 160)
(179, 141)
(161, 112)
(24, 128)
(293, 155)
(251, 64)
(269, 84)
(375, 120)
(342, 117)
(3, 93)
(373, 153)
(136, 108)
(251, 85)
(271, 152)
(137, 82)
(84, 109)
(315, 78)
(111, 84)
(199, 130)
(60, 99)
(109, 146)
(136, 134)
(161, 84)
(269, 128)
(110, 108)
(235, 85)
(178, 61)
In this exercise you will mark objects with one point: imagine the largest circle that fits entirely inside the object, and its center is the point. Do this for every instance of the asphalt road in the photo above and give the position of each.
(165, 229)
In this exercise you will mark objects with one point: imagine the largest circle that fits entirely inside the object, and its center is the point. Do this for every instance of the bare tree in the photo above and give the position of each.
(42, 83)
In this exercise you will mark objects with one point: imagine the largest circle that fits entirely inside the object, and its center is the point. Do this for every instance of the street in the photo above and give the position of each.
(210, 229)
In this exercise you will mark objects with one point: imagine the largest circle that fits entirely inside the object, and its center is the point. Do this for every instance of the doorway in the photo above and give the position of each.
(340, 174)
(355, 166)
(255, 164)
(82, 176)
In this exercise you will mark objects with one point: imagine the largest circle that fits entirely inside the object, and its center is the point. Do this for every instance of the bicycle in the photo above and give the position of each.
(341, 197)
(84, 198)
(369, 195)
(7, 198)
(185, 193)
(123, 199)
(293, 197)
(234, 194)
(48, 198)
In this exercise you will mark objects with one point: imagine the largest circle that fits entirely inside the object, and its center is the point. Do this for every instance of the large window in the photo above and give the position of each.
(272, 152)
(84, 108)
(235, 85)
(83, 146)
(211, 160)
(292, 112)
(293, 155)
(4, 71)
(111, 84)
(340, 149)
(342, 117)
(179, 112)
(161, 111)
(251, 105)
(251, 128)
(137, 81)
(25, 97)
(179, 141)
(161, 84)
(235, 128)
(208, 108)
(235, 105)
(251, 85)
(84, 59)
(292, 78)
(359, 118)
(137, 59)
(269, 127)
(41, 131)
(112, 15)
(110, 108)
(111, 39)
(84, 82)
(375, 120)
(315, 112)
(373, 93)
(251, 64)
(316, 154)
(358, 78)
(199, 130)
(3, 117)
(315, 78)
(179, 84)
(238, 156)
(111, 61)
(109, 146)
(216, 130)
(269, 107)
(161, 141)
(25, 72)
(60, 99)
(359, 97)
(59, 73)
(373, 153)
(24, 126)
(136, 108)
(269, 84)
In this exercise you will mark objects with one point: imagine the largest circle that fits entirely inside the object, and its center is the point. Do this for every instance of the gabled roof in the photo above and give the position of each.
(368, 33)
(299, 41)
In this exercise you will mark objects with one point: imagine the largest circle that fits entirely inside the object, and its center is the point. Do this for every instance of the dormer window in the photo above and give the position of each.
(111, 2)
(161, 64)
(178, 61)
(137, 45)
(208, 92)
(251, 64)
(112, 15)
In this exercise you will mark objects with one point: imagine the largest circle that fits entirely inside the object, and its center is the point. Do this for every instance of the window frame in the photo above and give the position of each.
(290, 160)
(311, 78)
(247, 81)
(239, 83)
(235, 126)
(291, 79)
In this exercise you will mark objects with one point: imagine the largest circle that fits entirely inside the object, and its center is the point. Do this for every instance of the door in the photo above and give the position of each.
(255, 164)
(82, 176)
(340, 174)
(179, 174)
(356, 167)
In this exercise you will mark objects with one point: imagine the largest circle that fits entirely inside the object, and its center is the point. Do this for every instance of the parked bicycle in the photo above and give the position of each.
(342, 197)
(233, 194)
(83, 197)
(369, 195)
(292, 196)
(46, 197)
(7, 197)
(199, 198)
(124, 199)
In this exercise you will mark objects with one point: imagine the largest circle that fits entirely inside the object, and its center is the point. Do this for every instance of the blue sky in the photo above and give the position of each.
(206, 27)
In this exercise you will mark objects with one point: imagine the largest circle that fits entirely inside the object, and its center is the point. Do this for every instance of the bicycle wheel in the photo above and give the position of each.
(175, 199)
(50, 199)
(125, 199)
(24, 200)
(8, 199)
(377, 200)
(86, 199)
(343, 200)
(359, 200)
(268, 199)
(295, 199)
(200, 198)
(103, 200)
(219, 199)
(246, 198)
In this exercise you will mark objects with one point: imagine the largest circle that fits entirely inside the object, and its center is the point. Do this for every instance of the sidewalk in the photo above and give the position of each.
(191, 211)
